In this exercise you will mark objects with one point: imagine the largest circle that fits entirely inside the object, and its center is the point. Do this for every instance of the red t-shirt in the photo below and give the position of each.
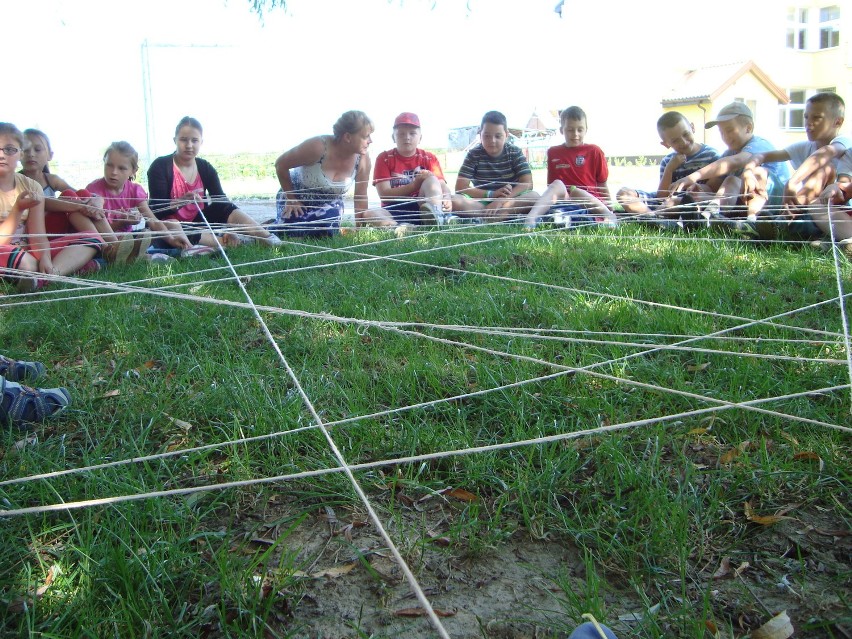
(400, 170)
(582, 166)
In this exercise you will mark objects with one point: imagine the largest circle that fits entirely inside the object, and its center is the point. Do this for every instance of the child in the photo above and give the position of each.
(687, 155)
(576, 170)
(724, 176)
(126, 202)
(24, 245)
(409, 180)
(494, 180)
(62, 214)
(184, 185)
(813, 172)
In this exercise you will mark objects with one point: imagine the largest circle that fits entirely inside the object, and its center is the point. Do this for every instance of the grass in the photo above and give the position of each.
(652, 510)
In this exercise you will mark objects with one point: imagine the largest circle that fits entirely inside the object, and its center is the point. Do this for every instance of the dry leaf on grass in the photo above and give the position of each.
(697, 368)
(333, 573)
(766, 520)
(184, 426)
(112, 393)
(779, 627)
(20, 604)
(458, 493)
(29, 440)
(421, 612)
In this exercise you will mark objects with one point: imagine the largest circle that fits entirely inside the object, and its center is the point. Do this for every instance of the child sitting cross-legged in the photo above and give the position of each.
(577, 175)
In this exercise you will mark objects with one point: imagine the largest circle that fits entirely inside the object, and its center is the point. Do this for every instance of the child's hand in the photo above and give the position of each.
(93, 213)
(832, 194)
(133, 216)
(684, 184)
(677, 160)
(421, 176)
(28, 199)
(178, 241)
(45, 265)
(503, 191)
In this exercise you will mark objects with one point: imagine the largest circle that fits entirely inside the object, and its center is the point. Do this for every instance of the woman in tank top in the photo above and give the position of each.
(316, 174)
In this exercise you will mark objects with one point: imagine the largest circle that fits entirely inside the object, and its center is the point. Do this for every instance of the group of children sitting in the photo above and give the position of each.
(47, 227)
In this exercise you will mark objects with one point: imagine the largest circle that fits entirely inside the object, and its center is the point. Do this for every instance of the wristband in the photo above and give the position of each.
(488, 194)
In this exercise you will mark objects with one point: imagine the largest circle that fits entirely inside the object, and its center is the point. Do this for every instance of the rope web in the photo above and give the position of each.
(324, 261)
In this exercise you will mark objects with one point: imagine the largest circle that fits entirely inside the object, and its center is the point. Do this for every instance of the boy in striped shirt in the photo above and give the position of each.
(495, 180)
(687, 155)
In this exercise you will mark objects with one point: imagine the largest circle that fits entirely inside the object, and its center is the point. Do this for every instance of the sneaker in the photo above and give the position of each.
(29, 284)
(21, 406)
(158, 258)
(845, 247)
(272, 240)
(401, 230)
(197, 250)
(17, 371)
(89, 267)
(746, 229)
(431, 214)
(712, 212)
(452, 219)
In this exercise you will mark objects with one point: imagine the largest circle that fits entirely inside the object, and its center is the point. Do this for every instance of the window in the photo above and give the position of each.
(797, 29)
(829, 27)
(792, 116)
(813, 29)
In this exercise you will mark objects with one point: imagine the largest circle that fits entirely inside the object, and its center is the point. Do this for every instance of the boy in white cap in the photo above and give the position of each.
(724, 176)
(410, 180)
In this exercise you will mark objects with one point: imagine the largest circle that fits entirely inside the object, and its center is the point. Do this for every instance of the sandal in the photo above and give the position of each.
(17, 371)
(21, 405)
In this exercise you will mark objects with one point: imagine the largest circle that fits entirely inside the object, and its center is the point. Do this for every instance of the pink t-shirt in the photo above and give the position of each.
(181, 187)
(130, 197)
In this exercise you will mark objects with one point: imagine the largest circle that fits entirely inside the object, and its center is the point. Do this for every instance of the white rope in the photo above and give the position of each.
(544, 439)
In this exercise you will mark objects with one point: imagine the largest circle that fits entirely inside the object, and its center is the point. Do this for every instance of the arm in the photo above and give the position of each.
(816, 161)
(664, 188)
(307, 152)
(160, 178)
(524, 183)
(362, 181)
(717, 169)
(388, 192)
(37, 234)
(464, 181)
(155, 224)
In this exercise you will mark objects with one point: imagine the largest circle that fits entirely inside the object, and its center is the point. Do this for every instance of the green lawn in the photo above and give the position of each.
(427, 347)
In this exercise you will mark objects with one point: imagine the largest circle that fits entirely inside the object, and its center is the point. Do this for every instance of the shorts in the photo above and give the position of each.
(11, 255)
(319, 220)
(405, 211)
(571, 216)
(486, 202)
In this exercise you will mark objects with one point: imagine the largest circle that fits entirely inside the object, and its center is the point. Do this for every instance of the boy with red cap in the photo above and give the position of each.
(410, 180)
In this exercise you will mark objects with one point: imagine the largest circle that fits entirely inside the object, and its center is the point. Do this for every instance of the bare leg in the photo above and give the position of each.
(630, 202)
(71, 259)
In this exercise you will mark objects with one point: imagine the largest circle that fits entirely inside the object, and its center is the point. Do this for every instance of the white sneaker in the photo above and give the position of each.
(431, 214)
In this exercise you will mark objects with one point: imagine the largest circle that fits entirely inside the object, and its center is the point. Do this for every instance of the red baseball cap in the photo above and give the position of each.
(410, 119)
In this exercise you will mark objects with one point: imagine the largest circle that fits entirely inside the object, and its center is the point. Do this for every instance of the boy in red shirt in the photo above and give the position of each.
(410, 180)
(577, 175)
